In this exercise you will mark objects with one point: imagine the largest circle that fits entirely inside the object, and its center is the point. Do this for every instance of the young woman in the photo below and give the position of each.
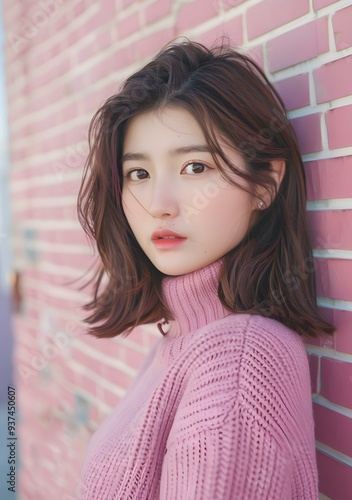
(194, 192)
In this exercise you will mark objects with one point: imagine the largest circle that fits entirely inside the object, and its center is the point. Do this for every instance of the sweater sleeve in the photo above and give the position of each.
(240, 460)
(243, 429)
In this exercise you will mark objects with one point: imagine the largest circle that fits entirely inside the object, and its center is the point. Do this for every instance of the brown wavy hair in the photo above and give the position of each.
(272, 271)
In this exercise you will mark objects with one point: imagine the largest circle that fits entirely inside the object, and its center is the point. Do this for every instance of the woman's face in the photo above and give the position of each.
(172, 187)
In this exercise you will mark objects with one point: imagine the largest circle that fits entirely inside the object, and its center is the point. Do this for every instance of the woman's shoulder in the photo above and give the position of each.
(243, 333)
(246, 363)
(251, 351)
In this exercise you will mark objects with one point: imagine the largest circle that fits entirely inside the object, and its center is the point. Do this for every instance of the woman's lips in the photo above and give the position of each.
(165, 238)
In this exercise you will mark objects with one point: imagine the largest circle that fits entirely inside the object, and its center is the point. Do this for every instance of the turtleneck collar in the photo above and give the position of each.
(193, 300)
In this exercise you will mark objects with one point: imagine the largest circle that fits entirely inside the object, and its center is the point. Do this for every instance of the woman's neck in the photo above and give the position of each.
(192, 299)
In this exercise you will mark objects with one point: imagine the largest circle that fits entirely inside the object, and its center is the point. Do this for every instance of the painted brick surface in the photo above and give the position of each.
(63, 59)
(294, 91)
(270, 14)
(309, 41)
(319, 4)
(335, 478)
(314, 372)
(339, 122)
(342, 28)
(328, 229)
(328, 420)
(308, 132)
(330, 178)
(334, 277)
(343, 321)
(336, 382)
(334, 80)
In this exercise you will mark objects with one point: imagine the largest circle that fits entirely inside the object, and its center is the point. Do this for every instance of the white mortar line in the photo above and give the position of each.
(336, 455)
(332, 406)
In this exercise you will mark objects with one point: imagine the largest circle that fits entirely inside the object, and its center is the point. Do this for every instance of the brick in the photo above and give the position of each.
(339, 124)
(330, 178)
(148, 45)
(327, 229)
(336, 382)
(319, 4)
(314, 369)
(195, 13)
(86, 52)
(270, 14)
(343, 338)
(333, 429)
(335, 477)
(308, 133)
(334, 278)
(341, 23)
(128, 26)
(333, 80)
(298, 45)
(232, 28)
(45, 92)
(107, 64)
(323, 341)
(256, 53)
(99, 18)
(78, 261)
(228, 4)
(117, 377)
(157, 10)
(294, 91)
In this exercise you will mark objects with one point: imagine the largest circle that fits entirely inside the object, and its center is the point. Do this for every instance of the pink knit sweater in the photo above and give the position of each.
(221, 409)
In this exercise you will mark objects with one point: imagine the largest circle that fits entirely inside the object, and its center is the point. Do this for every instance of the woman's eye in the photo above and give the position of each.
(195, 168)
(137, 174)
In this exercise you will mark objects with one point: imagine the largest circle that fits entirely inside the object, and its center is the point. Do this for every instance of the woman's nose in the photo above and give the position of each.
(163, 202)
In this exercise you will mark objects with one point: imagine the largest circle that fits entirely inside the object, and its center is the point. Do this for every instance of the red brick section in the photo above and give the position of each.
(309, 41)
(328, 229)
(228, 4)
(333, 429)
(232, 28)
(314, 371)
(335, 478)
(63, 59)
(128, 26)
(341, 342)
(331, 178)
(308, 133)
(336, 382)
(343, 321)
(339, 123)
(157, 10)
(341, 23)
(294, 91)
(334, 278)
(319, 4)
(270, 14)
(334, 80)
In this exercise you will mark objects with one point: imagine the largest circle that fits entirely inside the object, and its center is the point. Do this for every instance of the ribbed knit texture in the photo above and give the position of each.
(221, 409)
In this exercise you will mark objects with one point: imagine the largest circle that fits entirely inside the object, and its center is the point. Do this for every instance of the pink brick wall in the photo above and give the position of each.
(64, 58)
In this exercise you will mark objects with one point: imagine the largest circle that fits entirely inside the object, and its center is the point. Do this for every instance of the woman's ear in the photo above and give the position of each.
(277, 173)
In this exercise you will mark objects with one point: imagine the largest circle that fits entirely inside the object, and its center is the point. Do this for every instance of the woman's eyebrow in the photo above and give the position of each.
(193, 148)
